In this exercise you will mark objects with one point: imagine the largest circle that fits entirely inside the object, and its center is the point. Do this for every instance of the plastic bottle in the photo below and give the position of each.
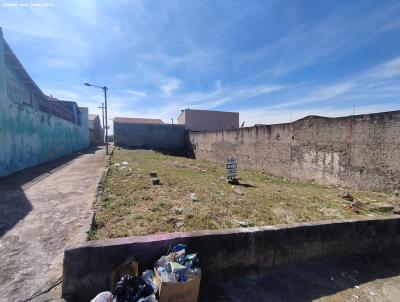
(149, 276)
(172, 277)
(163, 274)
(163, 261)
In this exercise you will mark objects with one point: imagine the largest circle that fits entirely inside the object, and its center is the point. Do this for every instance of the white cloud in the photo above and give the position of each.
(324, 41)
(389, 69)
(136, 93)
(225, 94)
(274, 116)
(321, 94)
(170, 86)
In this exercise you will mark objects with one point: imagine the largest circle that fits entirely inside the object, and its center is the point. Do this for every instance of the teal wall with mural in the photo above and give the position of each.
(29, 135)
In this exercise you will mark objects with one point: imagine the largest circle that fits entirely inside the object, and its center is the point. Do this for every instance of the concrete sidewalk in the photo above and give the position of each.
(366, 278)
(42, 210)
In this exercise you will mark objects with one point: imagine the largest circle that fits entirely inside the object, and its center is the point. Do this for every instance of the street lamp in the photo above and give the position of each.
(104, 88)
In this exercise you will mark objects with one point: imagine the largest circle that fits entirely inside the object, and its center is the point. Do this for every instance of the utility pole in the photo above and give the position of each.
(104, 88)
(105, 108)
(102, 114)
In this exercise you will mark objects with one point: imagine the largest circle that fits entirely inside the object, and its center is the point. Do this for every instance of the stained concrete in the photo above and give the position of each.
(42, 210)
(368, 278)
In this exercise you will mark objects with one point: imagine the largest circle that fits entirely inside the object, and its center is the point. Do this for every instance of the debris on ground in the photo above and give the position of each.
(396, 211)
(134, 288)
(347, 196)
(189, 166)
(155, 181)
(177, 210)
(193, 197)
(153, 174)
(397, 193)
(173, 269)
(130, 287)
(179, 224)
(103, 297)
(238, 191)
(357, 204)
(382, 207)
(244, 223)
(121, 165)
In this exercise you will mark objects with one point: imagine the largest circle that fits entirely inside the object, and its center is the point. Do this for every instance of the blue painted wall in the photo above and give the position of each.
(29, 136)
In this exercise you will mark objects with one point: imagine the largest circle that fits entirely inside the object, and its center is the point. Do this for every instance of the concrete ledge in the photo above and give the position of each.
(87, 267)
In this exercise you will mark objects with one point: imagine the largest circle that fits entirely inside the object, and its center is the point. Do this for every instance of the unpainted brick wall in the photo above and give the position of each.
(359, 152)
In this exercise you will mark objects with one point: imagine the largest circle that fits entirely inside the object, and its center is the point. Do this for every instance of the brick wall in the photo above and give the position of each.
(360, 152)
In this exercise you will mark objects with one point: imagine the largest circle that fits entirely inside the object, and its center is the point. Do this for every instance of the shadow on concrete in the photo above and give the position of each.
(311, 281)
(14, 205)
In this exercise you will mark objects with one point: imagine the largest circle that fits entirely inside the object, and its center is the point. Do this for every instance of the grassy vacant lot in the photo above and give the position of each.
(132, 206)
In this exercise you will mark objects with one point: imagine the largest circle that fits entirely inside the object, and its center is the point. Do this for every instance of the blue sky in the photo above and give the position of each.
(273, 61)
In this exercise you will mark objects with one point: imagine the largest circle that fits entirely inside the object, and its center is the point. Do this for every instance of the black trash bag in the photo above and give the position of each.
(132, 288)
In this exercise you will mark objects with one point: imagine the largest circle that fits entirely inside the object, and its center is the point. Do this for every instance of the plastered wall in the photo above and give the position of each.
(29, 136)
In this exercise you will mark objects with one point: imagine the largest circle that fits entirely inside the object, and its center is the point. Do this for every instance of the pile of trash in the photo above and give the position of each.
(131, 289)
(179, 269)
(178, 266)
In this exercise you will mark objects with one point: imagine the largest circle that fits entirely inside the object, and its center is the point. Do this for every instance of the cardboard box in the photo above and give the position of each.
(178, 291)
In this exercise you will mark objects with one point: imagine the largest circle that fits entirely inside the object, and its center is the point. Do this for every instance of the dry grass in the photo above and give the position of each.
(132, 206)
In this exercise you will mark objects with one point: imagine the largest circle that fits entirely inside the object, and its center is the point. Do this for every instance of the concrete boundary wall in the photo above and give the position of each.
(160, 137)
(359, 152)
(88, 267)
